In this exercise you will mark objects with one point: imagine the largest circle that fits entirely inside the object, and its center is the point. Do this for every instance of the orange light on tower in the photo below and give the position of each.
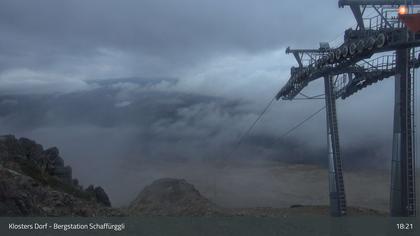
(403, 10)
(412, 21)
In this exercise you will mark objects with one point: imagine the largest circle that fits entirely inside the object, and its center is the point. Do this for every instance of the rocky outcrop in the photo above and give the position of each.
(172, 197)
(34, 181)
(21, 195)
(99, 194)
(49, 160)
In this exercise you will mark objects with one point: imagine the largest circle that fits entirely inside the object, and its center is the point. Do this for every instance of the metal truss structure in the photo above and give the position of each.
(347, 68)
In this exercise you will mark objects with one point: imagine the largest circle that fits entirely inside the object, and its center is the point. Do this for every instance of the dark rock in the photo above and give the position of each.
(54, 165)
(99, 194)
(63, 173)
(102, 197)
(10, 148)
(31, 149)
(53, 156)
(76, 183)
(90, 189)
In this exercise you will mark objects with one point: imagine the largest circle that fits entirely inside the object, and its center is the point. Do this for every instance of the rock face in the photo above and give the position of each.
(172, 197)
(35, 182)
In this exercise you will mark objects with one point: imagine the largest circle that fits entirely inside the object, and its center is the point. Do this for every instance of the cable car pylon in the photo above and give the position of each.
(347, 68)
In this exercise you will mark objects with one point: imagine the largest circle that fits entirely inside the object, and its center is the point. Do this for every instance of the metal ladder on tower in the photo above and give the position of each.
(338, 162)
(337, 192)
(411, 154)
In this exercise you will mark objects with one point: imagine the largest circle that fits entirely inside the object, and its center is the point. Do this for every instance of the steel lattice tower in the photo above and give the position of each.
(346, 70)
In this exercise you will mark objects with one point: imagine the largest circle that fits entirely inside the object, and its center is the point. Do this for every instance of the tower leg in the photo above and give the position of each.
(335, 174)
(403, 193)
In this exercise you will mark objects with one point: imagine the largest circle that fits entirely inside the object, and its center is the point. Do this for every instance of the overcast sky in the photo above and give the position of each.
(115, 82)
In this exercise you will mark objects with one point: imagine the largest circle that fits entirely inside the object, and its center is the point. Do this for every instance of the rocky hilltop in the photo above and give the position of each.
(36, 181)
(172, 197)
